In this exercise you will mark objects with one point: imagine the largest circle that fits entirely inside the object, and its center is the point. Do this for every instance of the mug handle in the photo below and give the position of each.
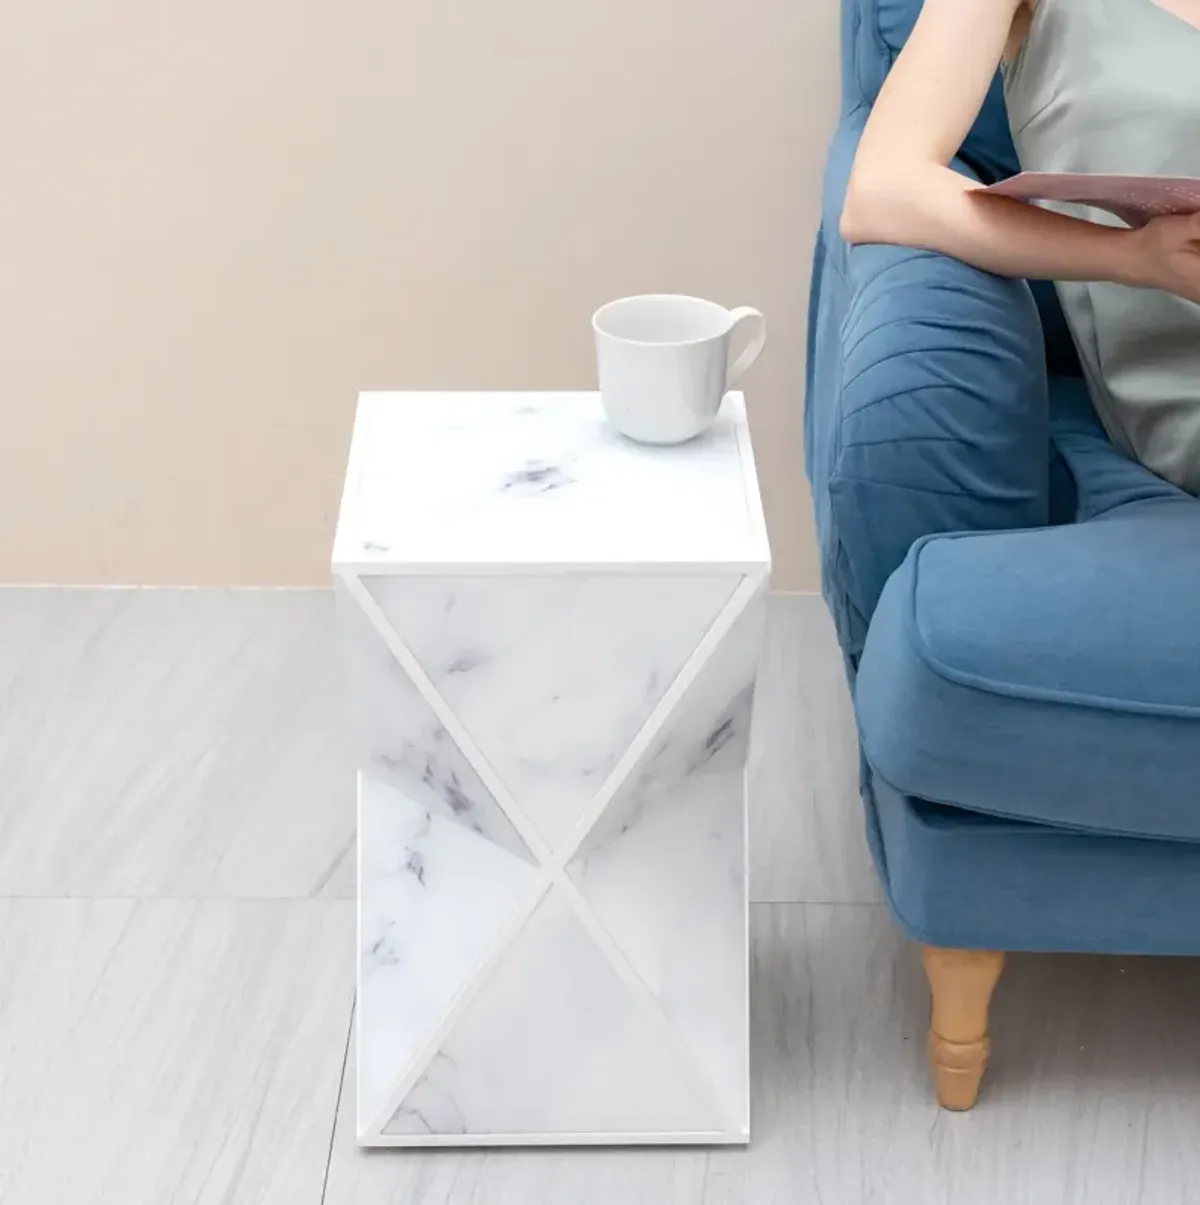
(742, 315)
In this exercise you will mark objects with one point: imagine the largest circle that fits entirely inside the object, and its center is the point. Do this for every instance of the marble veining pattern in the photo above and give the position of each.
(556, 1042)
(475, 1019)
(708, 731)
(435, 896)
(554, 677)
(540, 479)
(671, 890)
(403, 742)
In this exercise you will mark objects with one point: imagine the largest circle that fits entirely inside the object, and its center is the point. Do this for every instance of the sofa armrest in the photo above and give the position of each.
(926, 406)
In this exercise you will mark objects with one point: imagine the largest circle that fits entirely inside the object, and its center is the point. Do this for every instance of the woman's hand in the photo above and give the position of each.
(1167, 256)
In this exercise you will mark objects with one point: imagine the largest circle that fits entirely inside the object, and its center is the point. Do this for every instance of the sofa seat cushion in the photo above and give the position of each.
(961, 879)
(1050, 675)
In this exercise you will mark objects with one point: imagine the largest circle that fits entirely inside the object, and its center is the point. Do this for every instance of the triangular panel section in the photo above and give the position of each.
(405, 744)
(671, 892)
(435, 899)
(556, 1042)
(553, 676)
(708, 731)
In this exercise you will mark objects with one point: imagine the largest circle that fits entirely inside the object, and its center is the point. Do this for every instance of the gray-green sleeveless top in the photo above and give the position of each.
(1114, 86)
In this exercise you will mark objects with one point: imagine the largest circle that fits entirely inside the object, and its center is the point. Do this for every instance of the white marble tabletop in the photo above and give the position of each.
(444, 482)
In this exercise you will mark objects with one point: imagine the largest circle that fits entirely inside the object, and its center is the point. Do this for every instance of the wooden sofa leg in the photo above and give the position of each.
(962, 982)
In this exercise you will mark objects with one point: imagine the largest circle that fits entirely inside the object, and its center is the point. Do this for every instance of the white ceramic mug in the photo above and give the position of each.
(664, 363)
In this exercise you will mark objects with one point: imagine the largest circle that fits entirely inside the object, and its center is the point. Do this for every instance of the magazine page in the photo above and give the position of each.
(1133, 199)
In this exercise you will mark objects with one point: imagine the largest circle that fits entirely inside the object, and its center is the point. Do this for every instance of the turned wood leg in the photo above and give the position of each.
(962, 982)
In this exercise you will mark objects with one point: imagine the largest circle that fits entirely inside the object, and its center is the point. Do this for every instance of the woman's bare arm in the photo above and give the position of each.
(902, 191)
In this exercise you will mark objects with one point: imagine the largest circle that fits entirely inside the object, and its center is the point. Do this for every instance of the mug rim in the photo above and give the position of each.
(619, 301)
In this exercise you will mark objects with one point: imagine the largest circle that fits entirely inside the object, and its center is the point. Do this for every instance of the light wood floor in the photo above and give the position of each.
(176, 945)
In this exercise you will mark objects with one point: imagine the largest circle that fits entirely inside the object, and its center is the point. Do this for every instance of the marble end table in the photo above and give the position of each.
(553, 636)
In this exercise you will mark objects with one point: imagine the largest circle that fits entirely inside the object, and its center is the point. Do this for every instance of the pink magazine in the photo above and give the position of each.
(1134, 199)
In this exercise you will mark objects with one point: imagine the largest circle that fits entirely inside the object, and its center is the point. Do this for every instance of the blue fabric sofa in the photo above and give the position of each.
(1018, 604)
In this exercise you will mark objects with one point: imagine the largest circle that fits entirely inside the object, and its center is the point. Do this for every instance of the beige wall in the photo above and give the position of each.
(219, 220)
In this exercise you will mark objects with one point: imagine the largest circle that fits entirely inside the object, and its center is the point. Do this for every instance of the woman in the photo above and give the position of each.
(1092, 86)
